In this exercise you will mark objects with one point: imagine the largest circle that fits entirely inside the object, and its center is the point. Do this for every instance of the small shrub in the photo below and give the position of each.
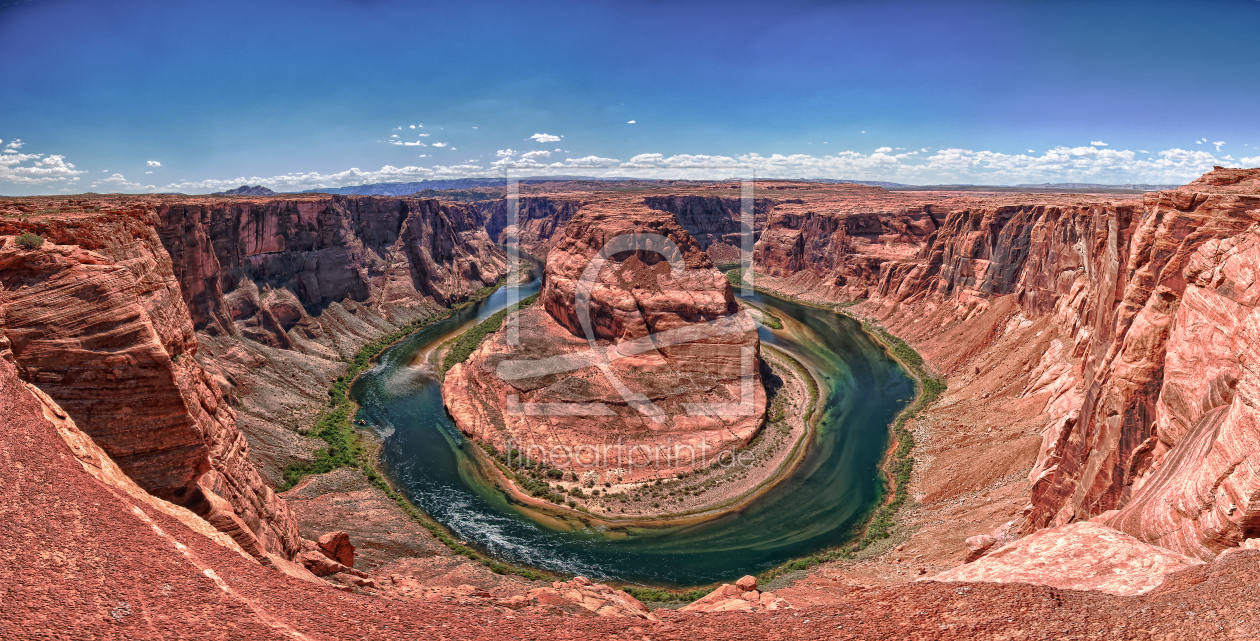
(29, 241)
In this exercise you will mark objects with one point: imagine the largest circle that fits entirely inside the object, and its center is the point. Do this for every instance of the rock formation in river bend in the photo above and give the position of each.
(641, 316)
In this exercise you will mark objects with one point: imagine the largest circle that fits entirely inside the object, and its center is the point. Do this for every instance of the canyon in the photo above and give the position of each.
(163, 355)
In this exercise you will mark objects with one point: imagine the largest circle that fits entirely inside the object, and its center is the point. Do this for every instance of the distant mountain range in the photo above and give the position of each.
(873, 183)
(406, 189)
(246, 190)
(1138, 187)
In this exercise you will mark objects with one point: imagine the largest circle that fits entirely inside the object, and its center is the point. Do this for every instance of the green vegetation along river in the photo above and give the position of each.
(817, 506)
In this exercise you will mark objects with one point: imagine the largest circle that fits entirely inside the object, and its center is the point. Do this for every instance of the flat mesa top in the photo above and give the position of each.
(836, 197)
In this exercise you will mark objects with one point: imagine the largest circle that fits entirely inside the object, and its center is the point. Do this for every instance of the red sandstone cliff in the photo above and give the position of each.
(1145, 375)
(713, 221)
(539, 220)
(394, 255)
(105, 334)
(282, 289)
(104, 322)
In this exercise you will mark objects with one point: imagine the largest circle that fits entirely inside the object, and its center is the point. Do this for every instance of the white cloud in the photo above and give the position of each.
(121, 183)
(629, 122)
(148, 172)
(418, 143)
(413, 126)
(557, 150)
(439, 144)
(1031, 151)
(589, 161)
(1218, 144)
(352, 176)
(546, 138)
(1060, 164)
(33, 169)
(422, 135)
(16, 143)
(883, 150)
(1098, 143)
(393, 135)
(153, 163)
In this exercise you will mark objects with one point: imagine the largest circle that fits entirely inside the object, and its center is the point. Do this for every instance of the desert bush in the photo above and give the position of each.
(29, 241)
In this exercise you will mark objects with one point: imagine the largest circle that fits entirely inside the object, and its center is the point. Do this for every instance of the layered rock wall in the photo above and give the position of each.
(1149, 402)
(97, 322)
(393, 254)
(714, 221)
(835, 250)
(540, 220)
(282, 290)
(110, 317)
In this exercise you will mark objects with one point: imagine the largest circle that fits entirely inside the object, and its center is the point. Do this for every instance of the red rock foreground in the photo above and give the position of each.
(94, 561)
(1080, 556)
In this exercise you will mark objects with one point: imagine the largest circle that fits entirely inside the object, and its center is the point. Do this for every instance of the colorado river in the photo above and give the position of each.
(817, 506)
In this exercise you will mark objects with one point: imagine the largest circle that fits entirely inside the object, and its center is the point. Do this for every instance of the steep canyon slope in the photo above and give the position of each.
(104, 321)
(1136, 317)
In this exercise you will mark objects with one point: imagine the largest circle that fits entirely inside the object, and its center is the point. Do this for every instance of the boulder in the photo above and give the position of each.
(583, 597)
(336, 545)
(733, 598)
(314, 558)
(1079, 556)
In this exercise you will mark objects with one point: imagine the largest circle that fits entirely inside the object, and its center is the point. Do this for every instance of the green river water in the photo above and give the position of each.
(817, 506)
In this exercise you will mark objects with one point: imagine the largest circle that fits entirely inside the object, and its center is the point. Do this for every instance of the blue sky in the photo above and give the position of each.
(195, 97)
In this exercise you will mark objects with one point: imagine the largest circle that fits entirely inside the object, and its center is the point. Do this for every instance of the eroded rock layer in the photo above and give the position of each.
(1144, 313)
(98, 323)
(276, 291)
